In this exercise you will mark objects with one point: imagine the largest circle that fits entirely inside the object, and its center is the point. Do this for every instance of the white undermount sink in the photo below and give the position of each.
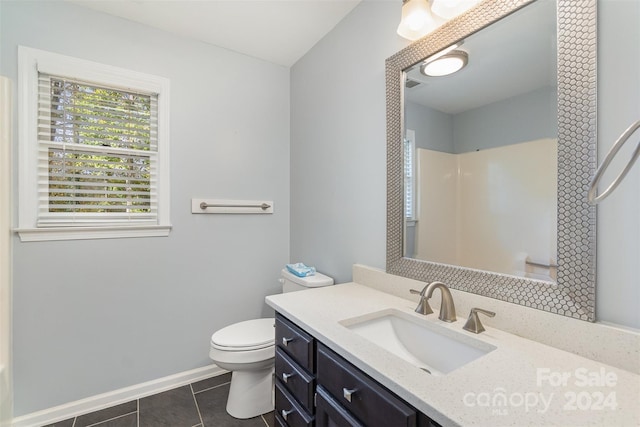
(431, 347)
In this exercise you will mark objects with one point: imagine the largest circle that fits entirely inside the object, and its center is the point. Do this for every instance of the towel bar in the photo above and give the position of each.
(211, 206)
(539, 264)
(593, 187)
(205, 205)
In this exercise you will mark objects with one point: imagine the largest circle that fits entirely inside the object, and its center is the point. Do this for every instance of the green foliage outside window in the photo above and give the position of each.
(113, 173)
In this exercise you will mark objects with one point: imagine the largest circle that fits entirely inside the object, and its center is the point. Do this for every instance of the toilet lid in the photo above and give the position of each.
(248, 335)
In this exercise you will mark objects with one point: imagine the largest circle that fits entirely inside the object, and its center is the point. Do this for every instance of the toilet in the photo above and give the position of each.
(247, 349)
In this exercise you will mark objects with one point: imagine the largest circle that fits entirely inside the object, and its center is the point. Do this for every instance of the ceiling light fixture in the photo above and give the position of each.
(446, 64)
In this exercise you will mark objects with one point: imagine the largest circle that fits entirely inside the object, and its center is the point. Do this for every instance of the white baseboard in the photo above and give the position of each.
(116, 397)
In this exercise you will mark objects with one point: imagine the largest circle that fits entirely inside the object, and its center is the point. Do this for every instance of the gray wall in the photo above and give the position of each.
(618, 291)
(434, 129)
(96, 315)
(521, 118)
(338, 150)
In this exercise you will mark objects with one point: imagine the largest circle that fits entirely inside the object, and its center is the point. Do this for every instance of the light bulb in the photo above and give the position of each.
(417, 21)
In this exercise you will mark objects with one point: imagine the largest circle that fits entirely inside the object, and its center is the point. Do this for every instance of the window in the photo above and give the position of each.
(94, 150)
(409, 176)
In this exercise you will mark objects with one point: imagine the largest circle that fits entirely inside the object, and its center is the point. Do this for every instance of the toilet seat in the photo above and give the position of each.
(253, 334)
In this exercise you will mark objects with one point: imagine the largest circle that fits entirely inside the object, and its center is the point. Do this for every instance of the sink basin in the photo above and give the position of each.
(431, 347)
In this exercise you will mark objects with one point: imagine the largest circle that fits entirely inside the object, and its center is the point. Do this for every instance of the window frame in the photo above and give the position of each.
(30, 63)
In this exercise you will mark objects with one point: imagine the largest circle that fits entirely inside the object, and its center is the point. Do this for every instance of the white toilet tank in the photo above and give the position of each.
(291, 282)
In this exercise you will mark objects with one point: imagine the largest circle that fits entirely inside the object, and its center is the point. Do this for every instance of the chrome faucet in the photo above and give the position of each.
(447, 309)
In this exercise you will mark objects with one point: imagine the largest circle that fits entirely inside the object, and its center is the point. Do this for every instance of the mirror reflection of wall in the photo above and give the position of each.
(486, 152)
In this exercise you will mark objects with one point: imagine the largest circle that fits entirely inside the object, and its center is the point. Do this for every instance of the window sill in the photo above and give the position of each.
(89, 233)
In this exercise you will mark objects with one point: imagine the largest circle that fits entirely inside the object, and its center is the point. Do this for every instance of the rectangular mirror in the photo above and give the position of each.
(486, 173)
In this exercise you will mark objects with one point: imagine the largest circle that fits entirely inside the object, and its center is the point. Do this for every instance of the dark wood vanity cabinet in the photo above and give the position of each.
(317, 387)
(295, 375)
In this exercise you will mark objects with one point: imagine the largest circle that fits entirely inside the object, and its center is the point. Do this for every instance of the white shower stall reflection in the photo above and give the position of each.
(493, 209)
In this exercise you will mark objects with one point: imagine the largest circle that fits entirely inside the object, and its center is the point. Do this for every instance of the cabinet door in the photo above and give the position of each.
(329, 413)
(370, 402)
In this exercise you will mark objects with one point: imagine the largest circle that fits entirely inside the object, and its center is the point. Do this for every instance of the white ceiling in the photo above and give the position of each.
(278, 31)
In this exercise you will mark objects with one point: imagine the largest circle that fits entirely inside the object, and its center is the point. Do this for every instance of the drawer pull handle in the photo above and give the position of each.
(286, 341)
(347, 393)
(285, 376)
(285, 413)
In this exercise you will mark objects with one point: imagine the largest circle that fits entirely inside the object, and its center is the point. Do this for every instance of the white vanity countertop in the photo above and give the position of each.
(510, 386)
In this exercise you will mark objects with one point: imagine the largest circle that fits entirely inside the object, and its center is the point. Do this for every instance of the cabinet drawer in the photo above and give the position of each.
(295, 379)
(371, 403)
(289, 410)
(329, 413)
(296, 342)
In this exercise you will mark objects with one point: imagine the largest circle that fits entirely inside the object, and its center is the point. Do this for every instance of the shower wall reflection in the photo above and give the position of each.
(485, 186)
(492, 210)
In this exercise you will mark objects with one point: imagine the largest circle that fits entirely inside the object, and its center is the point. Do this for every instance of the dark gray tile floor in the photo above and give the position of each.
(201, 404)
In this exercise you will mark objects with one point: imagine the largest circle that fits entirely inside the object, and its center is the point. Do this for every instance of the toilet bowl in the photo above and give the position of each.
(247, 349)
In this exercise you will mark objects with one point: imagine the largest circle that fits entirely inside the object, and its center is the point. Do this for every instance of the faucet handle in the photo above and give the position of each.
(423, 306)
(473, 322)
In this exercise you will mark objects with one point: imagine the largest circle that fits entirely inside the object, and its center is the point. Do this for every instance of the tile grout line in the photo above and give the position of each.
(196, 402)
(137, 411)
(207, 389)
(110, 419)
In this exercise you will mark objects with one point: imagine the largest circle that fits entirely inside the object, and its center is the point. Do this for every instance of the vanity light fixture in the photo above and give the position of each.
(446, 64)
(420, 17)
(417, 20)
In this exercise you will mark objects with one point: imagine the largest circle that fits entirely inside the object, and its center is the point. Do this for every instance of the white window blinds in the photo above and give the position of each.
(97, 154)
(409, 179)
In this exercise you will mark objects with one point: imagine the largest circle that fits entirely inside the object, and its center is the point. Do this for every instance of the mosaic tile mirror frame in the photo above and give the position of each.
(573, 294)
